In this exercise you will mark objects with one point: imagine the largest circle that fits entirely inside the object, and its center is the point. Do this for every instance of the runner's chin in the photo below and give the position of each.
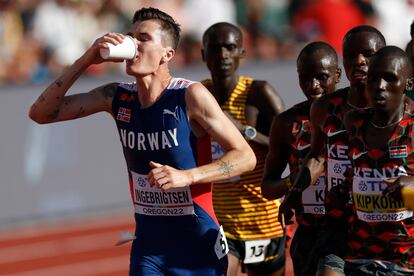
(316, 96)
(379, 103)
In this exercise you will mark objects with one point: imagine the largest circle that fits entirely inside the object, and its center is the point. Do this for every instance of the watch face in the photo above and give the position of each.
(250, 132)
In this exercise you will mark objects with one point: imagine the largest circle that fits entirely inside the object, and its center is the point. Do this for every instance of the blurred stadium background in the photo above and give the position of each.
(64, 196)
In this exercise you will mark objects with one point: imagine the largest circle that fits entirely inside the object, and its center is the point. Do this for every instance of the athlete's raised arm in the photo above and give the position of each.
(53, 106)
(311, 170)
(273, 185)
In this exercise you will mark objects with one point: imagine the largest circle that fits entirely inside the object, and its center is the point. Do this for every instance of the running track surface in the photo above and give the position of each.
(77, 247)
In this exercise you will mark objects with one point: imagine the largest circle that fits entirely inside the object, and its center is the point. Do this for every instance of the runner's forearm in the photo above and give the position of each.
(303, 179)
(233, 163)
(275, 189)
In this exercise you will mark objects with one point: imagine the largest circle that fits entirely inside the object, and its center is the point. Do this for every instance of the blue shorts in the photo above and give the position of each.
(182, 245)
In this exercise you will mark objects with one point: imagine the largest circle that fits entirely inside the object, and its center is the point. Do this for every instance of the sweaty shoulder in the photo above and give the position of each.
(104, 95)
(108, 90)
(265, 98)
(261, 89)
(197, 95)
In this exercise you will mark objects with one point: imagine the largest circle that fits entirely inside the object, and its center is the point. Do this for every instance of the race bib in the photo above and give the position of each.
(255, 251)
(313, 197)
(336, 171)
(336, 174)
(372, 206)
(221, 247)
(152, 201)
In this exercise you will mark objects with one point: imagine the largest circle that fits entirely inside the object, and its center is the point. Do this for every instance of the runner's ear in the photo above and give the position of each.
(168, 54)
(409, 84)
(242, 53)
(338, 75)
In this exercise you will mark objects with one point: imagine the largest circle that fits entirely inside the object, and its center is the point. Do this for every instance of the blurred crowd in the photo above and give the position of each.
(39, 38)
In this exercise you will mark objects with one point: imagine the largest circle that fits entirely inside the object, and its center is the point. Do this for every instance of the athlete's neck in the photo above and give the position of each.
(224, 86)
(357, 96)
(388, 117)
(151, 87)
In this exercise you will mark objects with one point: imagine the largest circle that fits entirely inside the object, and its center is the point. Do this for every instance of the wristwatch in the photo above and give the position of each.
(249, 133)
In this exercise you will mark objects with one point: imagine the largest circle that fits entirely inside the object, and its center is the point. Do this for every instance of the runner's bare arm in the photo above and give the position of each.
(273, 99)
(239, 157)
(312, 168)
(263, 104)
(53, 106)
(314, 161)
(273, 185)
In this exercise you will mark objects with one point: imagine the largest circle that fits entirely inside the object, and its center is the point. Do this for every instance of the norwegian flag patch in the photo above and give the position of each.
(398, 151)
(124, 115)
